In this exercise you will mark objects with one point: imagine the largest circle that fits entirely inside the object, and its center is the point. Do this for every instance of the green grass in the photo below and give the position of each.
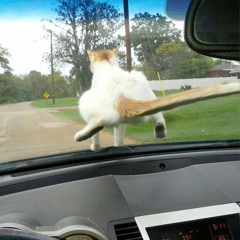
(167, 92)
(208, 120)
(59, 102)
(72, 114)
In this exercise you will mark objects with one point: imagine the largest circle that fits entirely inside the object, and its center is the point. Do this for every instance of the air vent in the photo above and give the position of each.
(127, 231)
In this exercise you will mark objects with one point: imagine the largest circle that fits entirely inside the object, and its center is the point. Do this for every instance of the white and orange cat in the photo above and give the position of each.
(118, 97)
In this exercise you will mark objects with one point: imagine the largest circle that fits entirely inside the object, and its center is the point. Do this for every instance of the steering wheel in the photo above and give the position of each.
(13, 234)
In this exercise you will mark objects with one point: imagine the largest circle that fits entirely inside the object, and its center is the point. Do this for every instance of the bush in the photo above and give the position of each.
(5, 99)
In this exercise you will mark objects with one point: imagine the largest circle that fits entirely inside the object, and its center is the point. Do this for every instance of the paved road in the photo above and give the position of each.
(28, 132)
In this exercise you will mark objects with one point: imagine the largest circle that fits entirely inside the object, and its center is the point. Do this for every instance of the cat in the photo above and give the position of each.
(118, 97)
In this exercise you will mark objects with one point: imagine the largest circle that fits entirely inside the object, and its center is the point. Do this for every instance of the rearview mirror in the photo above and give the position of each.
(212, 28)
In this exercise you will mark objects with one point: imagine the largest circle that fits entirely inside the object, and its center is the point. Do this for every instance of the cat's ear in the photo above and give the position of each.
(90, 53)
(116, 51)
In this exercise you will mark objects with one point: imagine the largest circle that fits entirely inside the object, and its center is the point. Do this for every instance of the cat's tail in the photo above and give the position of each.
(129, 108)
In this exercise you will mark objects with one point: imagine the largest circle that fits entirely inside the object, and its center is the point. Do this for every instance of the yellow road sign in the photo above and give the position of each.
(46, 95)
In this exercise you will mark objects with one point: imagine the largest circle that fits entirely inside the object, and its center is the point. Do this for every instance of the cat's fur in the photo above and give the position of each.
(118, 97)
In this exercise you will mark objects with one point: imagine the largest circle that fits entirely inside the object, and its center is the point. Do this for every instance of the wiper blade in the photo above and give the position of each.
(232, 143)
(109, 153)
(43, 161)
(78, 157)
(193, 145)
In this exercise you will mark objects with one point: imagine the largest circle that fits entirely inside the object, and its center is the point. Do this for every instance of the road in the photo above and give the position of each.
(30, 132)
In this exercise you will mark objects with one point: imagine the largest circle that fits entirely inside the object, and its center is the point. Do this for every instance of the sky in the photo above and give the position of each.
(21, 29)
(21, 33)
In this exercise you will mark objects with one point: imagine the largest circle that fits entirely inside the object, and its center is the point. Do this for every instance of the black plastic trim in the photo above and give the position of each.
(133, 165)
(231, 52)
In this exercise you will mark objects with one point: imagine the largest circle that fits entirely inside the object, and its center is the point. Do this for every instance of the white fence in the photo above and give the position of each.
(195, 82)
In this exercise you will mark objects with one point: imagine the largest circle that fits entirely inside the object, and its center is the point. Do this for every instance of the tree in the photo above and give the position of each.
(169, 54)
(4, 62)
(39, 84)
(60, 85)
(192, 68)
(149, 32)
(84, 25)
(14, 88)
(176, 60)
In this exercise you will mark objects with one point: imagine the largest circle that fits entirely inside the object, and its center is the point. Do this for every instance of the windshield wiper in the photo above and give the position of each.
(189, 145)
(110, 153)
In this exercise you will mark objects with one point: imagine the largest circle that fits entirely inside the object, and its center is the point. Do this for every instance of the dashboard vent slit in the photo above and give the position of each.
(127, 231)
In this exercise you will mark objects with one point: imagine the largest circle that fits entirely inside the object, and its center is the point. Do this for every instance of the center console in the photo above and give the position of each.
(219, 222)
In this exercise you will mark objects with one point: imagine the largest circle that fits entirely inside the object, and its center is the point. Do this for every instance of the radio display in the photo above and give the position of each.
(204, 229)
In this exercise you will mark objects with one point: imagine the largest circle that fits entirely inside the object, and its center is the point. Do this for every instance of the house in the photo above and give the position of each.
(236, 72)
(221, 70)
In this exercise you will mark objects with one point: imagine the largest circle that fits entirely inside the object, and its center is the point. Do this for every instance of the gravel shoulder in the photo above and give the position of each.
(30, 132)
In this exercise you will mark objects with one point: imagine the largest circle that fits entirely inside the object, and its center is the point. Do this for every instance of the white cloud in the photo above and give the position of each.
(179, 25)
(25, 42)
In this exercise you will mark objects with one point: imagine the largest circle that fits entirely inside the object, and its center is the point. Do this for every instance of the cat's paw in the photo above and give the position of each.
(160, 131)
(95, 147)
(78, 137)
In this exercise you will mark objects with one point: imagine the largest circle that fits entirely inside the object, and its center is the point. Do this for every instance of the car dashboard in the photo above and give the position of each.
(180, 195)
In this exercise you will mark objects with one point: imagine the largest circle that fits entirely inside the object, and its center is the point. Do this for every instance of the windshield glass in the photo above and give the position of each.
(48, 60)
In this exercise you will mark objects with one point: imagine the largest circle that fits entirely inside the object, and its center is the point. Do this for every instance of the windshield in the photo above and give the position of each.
(48, 61)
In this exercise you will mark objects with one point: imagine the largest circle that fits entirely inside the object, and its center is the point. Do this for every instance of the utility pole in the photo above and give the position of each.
(52, 70)
(127, 33)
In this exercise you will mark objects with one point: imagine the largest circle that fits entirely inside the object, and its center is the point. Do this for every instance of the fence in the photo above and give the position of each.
(194, 83)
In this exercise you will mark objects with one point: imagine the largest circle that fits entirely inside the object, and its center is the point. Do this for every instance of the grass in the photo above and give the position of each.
(59, 102)
(208, 120)
(72, 114)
